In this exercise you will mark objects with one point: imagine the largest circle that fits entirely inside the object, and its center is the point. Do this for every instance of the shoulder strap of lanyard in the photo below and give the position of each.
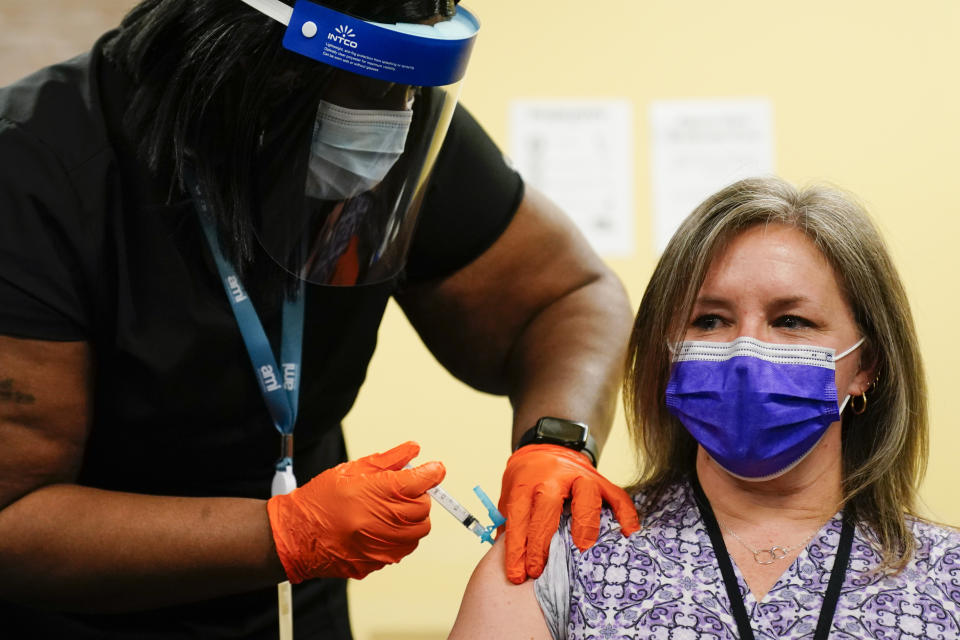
(832, 596)
(830, 599)
(280, 386)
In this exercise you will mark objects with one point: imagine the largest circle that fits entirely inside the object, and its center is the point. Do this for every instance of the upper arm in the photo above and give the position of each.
(493, 607)
(45, 370)
(44, 413)
(539, 259)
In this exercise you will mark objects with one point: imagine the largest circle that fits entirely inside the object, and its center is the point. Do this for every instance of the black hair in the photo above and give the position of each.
(213, 86)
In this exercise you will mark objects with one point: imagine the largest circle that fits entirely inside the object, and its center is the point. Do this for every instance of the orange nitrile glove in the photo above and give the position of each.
(356, 517)
(538, 478)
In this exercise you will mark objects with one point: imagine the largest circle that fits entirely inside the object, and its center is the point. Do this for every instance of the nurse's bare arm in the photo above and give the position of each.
(494, 608)
(70, 547)
(538, 316)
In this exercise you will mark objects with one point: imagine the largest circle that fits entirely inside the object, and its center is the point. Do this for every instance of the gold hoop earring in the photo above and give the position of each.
(863, 407)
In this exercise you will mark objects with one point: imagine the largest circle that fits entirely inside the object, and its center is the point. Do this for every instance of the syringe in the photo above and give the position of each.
(463, 516)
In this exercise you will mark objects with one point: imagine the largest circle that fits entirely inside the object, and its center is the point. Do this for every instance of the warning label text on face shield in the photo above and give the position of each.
(361, 61)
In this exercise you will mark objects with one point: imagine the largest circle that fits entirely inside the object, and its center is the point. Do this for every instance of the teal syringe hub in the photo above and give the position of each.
(495, 516)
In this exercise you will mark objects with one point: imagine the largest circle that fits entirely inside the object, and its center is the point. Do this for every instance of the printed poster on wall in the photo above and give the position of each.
(580, 154)
(701, 146)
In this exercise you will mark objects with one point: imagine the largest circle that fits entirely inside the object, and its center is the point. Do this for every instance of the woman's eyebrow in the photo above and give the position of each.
(779, 303)
(790, 302)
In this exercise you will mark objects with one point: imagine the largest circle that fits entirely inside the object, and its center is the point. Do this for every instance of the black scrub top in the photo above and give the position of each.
(92, 249)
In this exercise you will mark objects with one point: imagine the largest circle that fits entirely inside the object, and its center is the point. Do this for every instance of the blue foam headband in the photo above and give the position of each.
(412, 54)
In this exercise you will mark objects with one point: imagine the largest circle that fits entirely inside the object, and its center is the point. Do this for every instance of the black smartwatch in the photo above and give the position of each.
(566, 433)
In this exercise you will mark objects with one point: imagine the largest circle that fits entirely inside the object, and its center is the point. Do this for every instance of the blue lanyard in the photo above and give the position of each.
(280, 386)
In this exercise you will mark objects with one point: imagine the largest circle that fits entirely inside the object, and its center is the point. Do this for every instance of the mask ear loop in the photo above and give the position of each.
(851, 349)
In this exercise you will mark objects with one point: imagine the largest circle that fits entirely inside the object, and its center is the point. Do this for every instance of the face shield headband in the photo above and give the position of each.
(379, 126)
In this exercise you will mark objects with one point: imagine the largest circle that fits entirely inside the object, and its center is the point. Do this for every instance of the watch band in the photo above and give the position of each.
(559, 431)
(590, 448)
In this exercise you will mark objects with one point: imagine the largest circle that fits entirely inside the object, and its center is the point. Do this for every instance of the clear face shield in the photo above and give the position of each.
(378, 130)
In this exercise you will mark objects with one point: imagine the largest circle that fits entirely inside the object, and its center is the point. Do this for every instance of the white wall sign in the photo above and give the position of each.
(699, 147)
(580, 154)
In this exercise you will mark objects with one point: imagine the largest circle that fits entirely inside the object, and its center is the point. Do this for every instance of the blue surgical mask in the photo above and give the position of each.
(354, 149)
(757, 408)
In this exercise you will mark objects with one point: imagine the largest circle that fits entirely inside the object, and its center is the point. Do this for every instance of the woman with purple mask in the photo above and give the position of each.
(776, 399)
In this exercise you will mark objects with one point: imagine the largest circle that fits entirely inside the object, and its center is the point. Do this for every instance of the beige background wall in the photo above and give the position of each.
(864, 96)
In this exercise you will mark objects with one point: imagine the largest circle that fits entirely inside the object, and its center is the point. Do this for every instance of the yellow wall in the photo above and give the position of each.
(864, 95)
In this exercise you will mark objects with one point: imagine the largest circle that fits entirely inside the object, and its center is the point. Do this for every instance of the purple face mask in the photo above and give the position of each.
(757, 408)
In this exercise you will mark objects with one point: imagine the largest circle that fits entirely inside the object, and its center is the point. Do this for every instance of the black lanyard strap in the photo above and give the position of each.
(723, 559)
(830, 599)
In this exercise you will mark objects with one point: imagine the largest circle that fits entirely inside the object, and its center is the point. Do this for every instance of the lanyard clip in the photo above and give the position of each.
(283, 479)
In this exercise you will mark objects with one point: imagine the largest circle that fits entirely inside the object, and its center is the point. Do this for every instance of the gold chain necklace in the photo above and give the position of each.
(771, 555)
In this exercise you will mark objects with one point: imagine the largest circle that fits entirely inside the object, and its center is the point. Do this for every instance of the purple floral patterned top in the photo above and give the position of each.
(663, 582)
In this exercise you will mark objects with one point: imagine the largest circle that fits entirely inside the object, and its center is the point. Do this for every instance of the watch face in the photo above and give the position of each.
(562, 431)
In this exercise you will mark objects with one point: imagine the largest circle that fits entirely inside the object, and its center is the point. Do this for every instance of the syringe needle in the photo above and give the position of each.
(457, 510)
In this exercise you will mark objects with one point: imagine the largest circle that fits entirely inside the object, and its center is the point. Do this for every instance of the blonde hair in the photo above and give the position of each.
(884, 449)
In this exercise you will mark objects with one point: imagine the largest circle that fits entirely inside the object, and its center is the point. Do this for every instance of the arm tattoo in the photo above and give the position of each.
(9, 394)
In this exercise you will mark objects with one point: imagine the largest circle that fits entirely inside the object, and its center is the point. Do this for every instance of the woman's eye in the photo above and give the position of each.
(708, 322)
(792, 322)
